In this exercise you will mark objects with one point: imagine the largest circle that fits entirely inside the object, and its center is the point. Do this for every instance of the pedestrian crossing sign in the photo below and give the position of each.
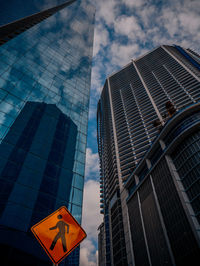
(59, 234)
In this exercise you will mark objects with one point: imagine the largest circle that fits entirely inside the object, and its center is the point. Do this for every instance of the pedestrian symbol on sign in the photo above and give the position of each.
(61, 234)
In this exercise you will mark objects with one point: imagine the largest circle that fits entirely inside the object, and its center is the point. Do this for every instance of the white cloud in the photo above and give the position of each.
(148, 16)
(133, 3)
(85, 254)
(91, 210)
(106, 11)
(92, 164)
(127, 25)
(91, 220)
(122, 54)
(96, 75)
(149, 25)
(92, 112)
(101, 38)
(88, 254)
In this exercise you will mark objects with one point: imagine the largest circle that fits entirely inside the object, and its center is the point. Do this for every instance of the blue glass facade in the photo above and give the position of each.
(13, 10)
(44, 101)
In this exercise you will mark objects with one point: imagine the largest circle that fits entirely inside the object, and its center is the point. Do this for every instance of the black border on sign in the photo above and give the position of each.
(66, 254)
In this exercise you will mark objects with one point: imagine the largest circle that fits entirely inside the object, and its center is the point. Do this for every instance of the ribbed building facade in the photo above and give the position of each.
(137, 105)
(45, 74)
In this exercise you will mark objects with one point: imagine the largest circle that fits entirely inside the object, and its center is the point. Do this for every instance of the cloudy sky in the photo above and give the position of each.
(126, 29)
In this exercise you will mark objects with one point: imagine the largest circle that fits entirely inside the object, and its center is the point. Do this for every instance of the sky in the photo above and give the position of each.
(125, 30)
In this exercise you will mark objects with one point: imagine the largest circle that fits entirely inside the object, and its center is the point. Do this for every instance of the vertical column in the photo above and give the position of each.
(148, 93)
(117, 158)
(115, 136)
(144, 232)
(127, 231)
(162, 223)
(141, 116)
(167, 94)
(128, 127)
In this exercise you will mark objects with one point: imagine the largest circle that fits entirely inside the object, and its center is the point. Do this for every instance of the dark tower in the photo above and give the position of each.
(37, 158)
(136, 106)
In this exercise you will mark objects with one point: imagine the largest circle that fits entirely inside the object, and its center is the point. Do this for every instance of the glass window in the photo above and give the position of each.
(78, 181)
(14, 100)
(17, 216)
(34, 162)
(81, 146)
(65, 184)
(30, 177)
(81, 157)
(23, 195)
(20, 90)
(5, 119)
(3, 94)
(77, 196)
(80, 168)
(76, 212)
(3, 67)
(3, 130)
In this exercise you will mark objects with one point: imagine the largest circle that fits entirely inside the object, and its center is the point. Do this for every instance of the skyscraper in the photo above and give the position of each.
(45, 71)
(148, 128)
(14, 10)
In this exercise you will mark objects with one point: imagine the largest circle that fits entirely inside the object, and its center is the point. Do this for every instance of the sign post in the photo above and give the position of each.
(59, 234)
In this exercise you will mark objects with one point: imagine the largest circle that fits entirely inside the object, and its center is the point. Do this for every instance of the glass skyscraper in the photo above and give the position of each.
(148, 141)
(45, 72)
